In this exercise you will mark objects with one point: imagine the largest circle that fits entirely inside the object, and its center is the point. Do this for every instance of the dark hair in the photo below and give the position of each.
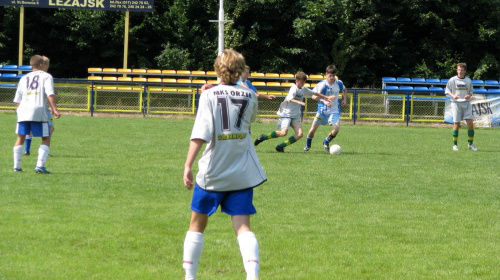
(301, 76)
(331, 69)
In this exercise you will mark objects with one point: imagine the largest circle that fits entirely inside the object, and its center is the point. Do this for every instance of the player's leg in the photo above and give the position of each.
(42, 130)
(284, 124)
(239, 206)
(318, 120)
(297, 126)
(457, 117)
(203, 205)
(27, 145)
(275, 134)
(334, 121)
(22, 129)
(470, 134)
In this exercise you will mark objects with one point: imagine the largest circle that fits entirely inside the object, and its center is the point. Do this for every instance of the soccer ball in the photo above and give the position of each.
(335, 149)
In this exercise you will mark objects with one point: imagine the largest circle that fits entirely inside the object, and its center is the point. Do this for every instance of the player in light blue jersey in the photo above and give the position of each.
(330, 87)
(229, 169)
(289, 113)
(246, 83)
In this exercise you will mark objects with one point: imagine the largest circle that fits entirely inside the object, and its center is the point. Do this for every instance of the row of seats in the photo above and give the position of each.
(144, 72)
(11, 75)
(437, 89)
(185, 81)
(433, 81)
(11, 67)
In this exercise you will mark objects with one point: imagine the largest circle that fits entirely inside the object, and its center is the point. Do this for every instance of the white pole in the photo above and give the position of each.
(221, 27)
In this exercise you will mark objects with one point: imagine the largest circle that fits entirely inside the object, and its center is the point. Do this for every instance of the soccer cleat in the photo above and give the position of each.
(472, 147)
(326, 144)
(258, 140)
(307, 148)
(455, 148)
(18, 169)
(26, 153)
(42, 170)
(280, 149)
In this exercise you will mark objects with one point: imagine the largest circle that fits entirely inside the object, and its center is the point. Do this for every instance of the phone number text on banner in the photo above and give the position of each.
(485, 110)
(113, 5)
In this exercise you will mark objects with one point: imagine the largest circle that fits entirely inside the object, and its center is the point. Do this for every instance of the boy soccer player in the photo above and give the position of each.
(460, 90)
(328, 114)
(229, 169)
(289, 113)
(33, 91)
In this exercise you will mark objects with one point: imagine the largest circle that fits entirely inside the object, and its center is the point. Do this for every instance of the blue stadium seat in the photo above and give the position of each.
(418, 80)
(9, 67)
(439, 89)
(389, 80)
(477, 82)
(24, 67)
(406, 87)
(480, 90)
(421, 89)
(391, 87)
(20, 76)
(444, 81)
(9, 75)
(404, 80)
(433, 81)
(494, 90)
(491, 82)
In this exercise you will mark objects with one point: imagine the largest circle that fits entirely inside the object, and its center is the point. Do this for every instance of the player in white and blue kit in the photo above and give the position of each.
(328, 115)
(229, 168)
(33, 92)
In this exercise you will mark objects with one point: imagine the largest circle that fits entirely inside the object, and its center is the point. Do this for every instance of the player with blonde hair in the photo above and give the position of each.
(229, 168)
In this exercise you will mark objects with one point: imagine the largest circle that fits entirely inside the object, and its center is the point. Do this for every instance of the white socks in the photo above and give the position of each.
(18, 151)
(249, 248)
(193, 245)
(43, 153)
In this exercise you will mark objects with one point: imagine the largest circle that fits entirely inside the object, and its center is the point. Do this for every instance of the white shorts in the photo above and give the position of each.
(285, 123)
(329, 119)
(461, 111)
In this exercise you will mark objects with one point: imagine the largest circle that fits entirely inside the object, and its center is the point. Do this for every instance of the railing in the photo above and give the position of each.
(174, 98)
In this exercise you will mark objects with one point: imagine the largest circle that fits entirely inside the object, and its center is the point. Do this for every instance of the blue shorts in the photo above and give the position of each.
(330, 119)
(232, 203)
(36, 129)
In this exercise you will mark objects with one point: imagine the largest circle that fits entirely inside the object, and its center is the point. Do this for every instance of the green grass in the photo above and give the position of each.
(398, 203)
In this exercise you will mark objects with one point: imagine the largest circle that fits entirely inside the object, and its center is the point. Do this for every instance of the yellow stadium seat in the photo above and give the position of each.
(169, 90)
(168, 72)
(257, 75)
(139, 71)
(155, 89)
(108, 88)
(124, 88)
(273, 84)
(94, 69)
(109, 70)
(154, 80)
(211, 73)
(272, 75)
(123, 70)
(169, 80)
(307, 85)
(183, 72)
(94, 78)
(184, 81)
(313, 84)
(315, 77)
(154, 71)
(124, 79)
(213, 82)
(202, 82)
(287, 84)
(198, 73)
(184, 90)
(287, 76)
(257, 84)
(109, 78)
(139, 79)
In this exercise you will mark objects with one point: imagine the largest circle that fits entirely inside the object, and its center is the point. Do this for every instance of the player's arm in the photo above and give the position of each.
(301, 103)
(194, 148)
(344, 96)
(53, 106)
(322, 98)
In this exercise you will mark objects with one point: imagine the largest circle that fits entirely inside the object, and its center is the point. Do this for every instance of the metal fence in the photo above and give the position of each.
(148, 98)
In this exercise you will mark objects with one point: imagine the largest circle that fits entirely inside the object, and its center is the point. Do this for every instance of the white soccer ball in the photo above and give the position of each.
(335, 149)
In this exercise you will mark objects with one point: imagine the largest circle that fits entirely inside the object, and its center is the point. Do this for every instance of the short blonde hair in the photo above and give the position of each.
(301, 76)
(229, 66)
(36, 61)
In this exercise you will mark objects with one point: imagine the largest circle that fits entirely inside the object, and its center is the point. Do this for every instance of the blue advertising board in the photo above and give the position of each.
(112, 5)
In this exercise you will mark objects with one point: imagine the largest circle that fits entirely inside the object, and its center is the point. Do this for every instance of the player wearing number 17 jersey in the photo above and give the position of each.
(229, 168)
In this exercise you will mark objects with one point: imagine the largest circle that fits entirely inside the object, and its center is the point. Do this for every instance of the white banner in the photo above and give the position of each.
(485, 110)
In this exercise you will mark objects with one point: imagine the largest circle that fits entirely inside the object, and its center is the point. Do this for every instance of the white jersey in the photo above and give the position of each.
(460, 87)
(229, 161)
(324, 88)
(290, 109)
(31, 94)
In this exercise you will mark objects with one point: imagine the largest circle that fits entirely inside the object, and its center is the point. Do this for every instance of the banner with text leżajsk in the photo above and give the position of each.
(485, 110)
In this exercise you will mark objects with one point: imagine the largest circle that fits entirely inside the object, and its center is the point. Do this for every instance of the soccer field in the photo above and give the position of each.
(398, 203)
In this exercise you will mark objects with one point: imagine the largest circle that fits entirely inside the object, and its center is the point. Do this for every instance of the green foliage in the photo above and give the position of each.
(173, 58)
(488, 68)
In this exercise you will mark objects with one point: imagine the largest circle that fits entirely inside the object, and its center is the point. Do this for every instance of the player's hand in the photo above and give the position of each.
(56, 114)
(206, 86)
(270, 97)
(188, 178)
(331, 97)
(327, 103)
